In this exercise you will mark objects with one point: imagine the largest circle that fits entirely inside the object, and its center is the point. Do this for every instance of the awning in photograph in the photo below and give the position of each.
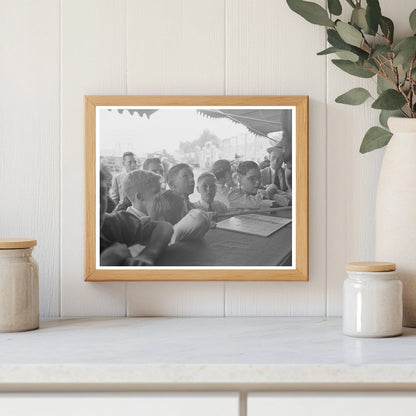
(260, 122)
(140, 112)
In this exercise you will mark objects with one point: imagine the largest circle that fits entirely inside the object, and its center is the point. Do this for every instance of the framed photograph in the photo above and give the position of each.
(196, 188)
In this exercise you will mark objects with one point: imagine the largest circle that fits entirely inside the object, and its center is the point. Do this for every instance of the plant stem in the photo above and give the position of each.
(412, 86)
(408, 102)
(395, 71)
(384, 73)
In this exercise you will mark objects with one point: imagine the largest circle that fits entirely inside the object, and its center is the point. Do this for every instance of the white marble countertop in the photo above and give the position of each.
(204, 351)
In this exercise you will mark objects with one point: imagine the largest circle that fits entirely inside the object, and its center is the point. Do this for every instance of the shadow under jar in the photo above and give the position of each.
(19, 286)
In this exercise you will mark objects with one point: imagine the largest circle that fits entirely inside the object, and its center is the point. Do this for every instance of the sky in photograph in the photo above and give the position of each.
(164, 129)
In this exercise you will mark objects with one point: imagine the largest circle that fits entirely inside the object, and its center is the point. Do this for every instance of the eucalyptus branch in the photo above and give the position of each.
(372, 54)
(380, 64)
(384, 73)
(370, 70)
(412, 86)
(386, 60)
(406, 97)
(395, 71)
(386, 37)
(369, 46)
(413, 89)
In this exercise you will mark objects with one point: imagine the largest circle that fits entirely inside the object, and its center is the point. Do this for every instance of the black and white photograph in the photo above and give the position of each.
(196, 186)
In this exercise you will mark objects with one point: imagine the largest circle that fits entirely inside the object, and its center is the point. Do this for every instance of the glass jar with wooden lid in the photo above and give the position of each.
(372, 300)
(19, 286)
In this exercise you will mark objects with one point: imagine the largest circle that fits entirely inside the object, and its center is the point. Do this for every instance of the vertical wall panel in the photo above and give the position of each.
(353, 177)
(272, 51)
(29, 135)
(93, 63)
(175, 47)
(175, 299)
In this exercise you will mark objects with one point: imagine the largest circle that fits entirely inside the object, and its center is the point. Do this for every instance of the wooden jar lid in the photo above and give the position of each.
(371, 266)
(11, 243)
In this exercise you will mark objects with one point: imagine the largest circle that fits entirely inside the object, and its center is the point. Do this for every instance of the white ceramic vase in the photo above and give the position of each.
(396, 210)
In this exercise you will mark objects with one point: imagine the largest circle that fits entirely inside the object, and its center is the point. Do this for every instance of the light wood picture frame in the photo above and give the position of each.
(115, 124)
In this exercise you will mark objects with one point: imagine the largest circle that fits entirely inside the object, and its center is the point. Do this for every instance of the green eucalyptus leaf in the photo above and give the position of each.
(386, 83)
(375, 138)
(386, 114)
(327, 51)
(373, 15)
(387, 27)
(349, 34)
(405, 50)
(381, 50)
(404, 44)
(370, 65)
(358, 18)
(336, 41)
(352, 68)
(356, 96)
(383, 84)
(334, 7)
(347, 55)
(311, 12)
(389, 100)
(412, 20)
(360, 52)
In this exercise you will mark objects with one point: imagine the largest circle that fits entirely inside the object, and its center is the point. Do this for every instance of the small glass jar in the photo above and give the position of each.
(372, 300)
(19, 286)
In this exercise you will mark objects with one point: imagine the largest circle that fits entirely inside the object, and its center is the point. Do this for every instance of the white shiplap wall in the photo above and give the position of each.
(30, 135)
(55, 52)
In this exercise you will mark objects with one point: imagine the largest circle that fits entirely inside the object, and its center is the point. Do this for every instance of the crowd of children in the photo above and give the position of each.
(148, 208)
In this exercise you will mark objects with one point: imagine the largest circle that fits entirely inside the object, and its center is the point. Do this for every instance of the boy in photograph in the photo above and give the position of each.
(141, 188)
(224, 180)
(111, 253)
(207, 187)
(247, 195)
(107, 178)
(129, 228)
(129, 164)
(181, 180)
(154, 164)
(168, 206)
